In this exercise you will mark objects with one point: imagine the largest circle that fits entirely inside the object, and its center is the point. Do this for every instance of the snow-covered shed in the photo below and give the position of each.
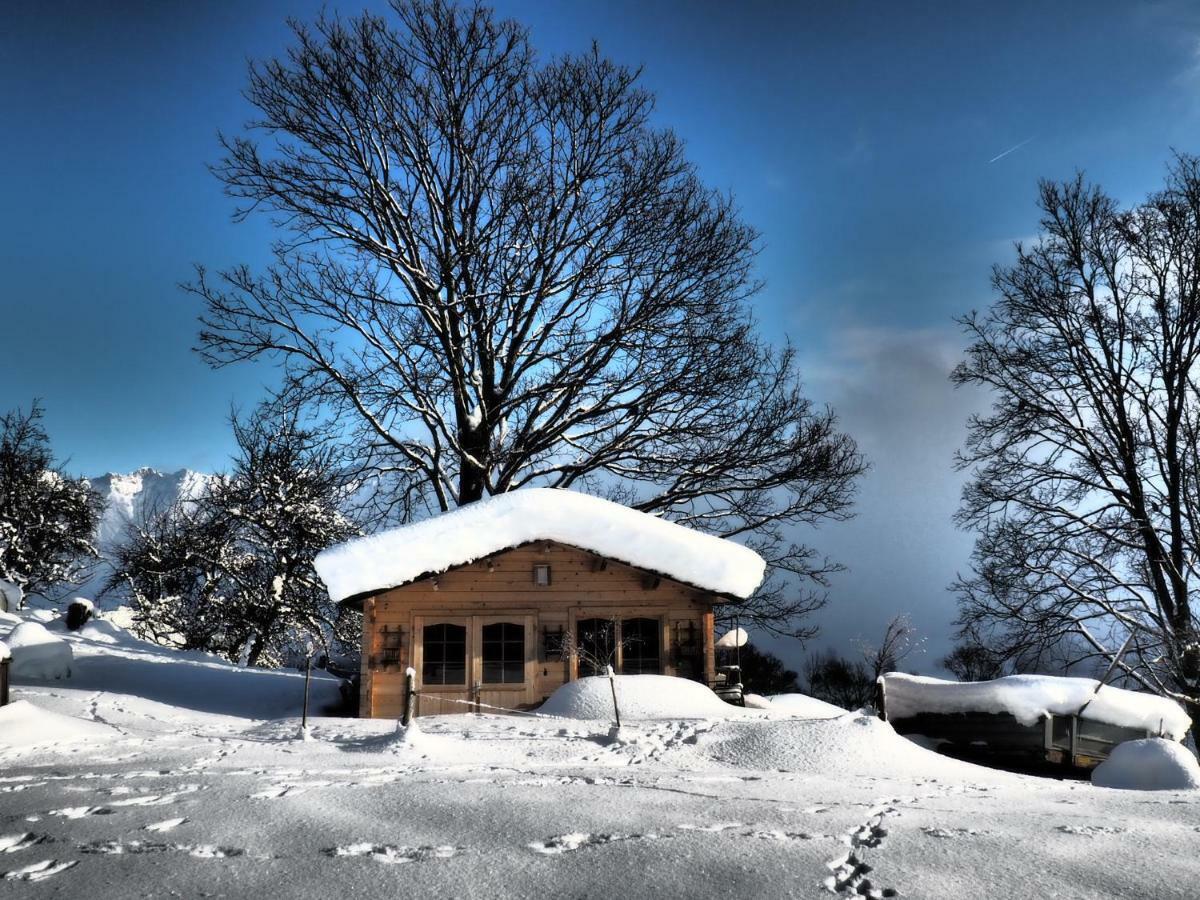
(502, 601)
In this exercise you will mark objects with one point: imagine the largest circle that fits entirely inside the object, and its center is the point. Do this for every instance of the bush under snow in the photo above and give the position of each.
(640, 697)
(38, 654)
(1152, 764)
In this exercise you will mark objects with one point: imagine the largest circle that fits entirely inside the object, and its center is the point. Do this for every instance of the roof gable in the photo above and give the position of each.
(399, 556)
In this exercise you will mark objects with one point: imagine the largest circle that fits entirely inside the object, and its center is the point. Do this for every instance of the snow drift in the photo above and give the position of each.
(1148, 765)
(640, 697)
(38, 654)
(1029, 697)
(24, 725)
(401, 555)
(857, 745)
(804, 706)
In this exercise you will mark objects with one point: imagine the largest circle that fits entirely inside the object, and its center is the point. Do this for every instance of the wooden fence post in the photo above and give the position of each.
(410, 694)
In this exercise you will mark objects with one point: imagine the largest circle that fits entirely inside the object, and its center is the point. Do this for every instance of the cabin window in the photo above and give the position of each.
(640, 652)
(541, 576)
(503, 653)
(595, 645)
(445, 655)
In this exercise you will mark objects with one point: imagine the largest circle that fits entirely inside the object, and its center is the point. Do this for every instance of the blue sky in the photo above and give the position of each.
(857, 137)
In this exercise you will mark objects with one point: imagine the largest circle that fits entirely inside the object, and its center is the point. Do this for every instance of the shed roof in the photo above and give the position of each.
(401, 555)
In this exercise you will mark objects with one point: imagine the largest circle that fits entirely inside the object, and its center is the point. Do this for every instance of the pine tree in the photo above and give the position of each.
(47, 519)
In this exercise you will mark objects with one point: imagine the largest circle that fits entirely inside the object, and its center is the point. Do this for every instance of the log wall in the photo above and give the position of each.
(502, 589)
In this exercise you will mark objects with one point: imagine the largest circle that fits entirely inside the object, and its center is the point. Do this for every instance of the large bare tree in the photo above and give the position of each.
(1084, 484)
(494, 272)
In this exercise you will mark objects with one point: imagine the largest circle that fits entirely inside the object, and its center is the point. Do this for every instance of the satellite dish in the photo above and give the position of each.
(735, 638)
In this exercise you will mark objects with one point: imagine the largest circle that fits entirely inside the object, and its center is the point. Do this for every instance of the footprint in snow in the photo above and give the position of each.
(157, 799)
(719, 826)
(776, 835)
(1090, 830)
(951, 832)
(200, 851)
(11, 843)
(567, 843)
(79, 812)
(164, 825)
(390, 854)
(115, 848)
(39, 871)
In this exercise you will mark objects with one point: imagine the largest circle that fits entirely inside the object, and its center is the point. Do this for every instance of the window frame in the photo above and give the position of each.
(426, 662)
(646, 624)
(506, 663)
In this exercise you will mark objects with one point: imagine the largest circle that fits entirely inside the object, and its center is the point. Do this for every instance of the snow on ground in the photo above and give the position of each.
(22, 724)
(191, 800)
(1029, 697)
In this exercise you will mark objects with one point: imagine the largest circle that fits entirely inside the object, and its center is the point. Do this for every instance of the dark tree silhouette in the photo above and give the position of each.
(1084, 487)
(494, 272)
(47, 519)
(843, 682)
(972, 661)
(763, 672)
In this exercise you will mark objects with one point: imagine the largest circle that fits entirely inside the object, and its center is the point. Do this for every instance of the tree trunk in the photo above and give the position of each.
(1193, 710)
(471, 476)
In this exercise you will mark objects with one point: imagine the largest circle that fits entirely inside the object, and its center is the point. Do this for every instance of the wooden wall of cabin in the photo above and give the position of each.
(502, 588)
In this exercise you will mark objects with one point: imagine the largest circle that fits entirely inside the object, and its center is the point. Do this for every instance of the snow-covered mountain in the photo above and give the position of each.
(129, 498)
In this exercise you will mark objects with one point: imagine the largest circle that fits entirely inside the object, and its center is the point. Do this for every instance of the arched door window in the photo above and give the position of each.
(503, 653)
(640, 647)
(445, 655)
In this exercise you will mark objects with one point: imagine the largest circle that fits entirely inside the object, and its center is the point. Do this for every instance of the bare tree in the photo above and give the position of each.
(972, 661)
(899, 641)
(493, 272)
(843, 682)
(1084, 485)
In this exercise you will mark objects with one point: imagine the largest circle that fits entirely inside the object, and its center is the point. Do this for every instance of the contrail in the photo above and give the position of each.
(1010, 150)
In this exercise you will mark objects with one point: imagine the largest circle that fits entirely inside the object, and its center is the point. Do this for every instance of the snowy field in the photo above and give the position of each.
(155, 774)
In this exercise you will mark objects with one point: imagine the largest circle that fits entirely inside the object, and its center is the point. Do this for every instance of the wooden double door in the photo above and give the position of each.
(474, 660)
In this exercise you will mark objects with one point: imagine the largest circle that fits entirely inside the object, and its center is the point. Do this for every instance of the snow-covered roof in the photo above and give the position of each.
(1029, 697)
(401, 555)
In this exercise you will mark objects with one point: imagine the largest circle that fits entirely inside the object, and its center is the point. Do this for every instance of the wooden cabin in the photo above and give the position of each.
(501, 602)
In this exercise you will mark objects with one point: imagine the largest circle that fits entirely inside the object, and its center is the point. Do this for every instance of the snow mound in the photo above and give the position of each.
(401, 555)
(804, 706)
(848, 745)
(24, 725)
(639, 696)
(38, 654)
(1029, 697)
(1148, 765)
(756, 701)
